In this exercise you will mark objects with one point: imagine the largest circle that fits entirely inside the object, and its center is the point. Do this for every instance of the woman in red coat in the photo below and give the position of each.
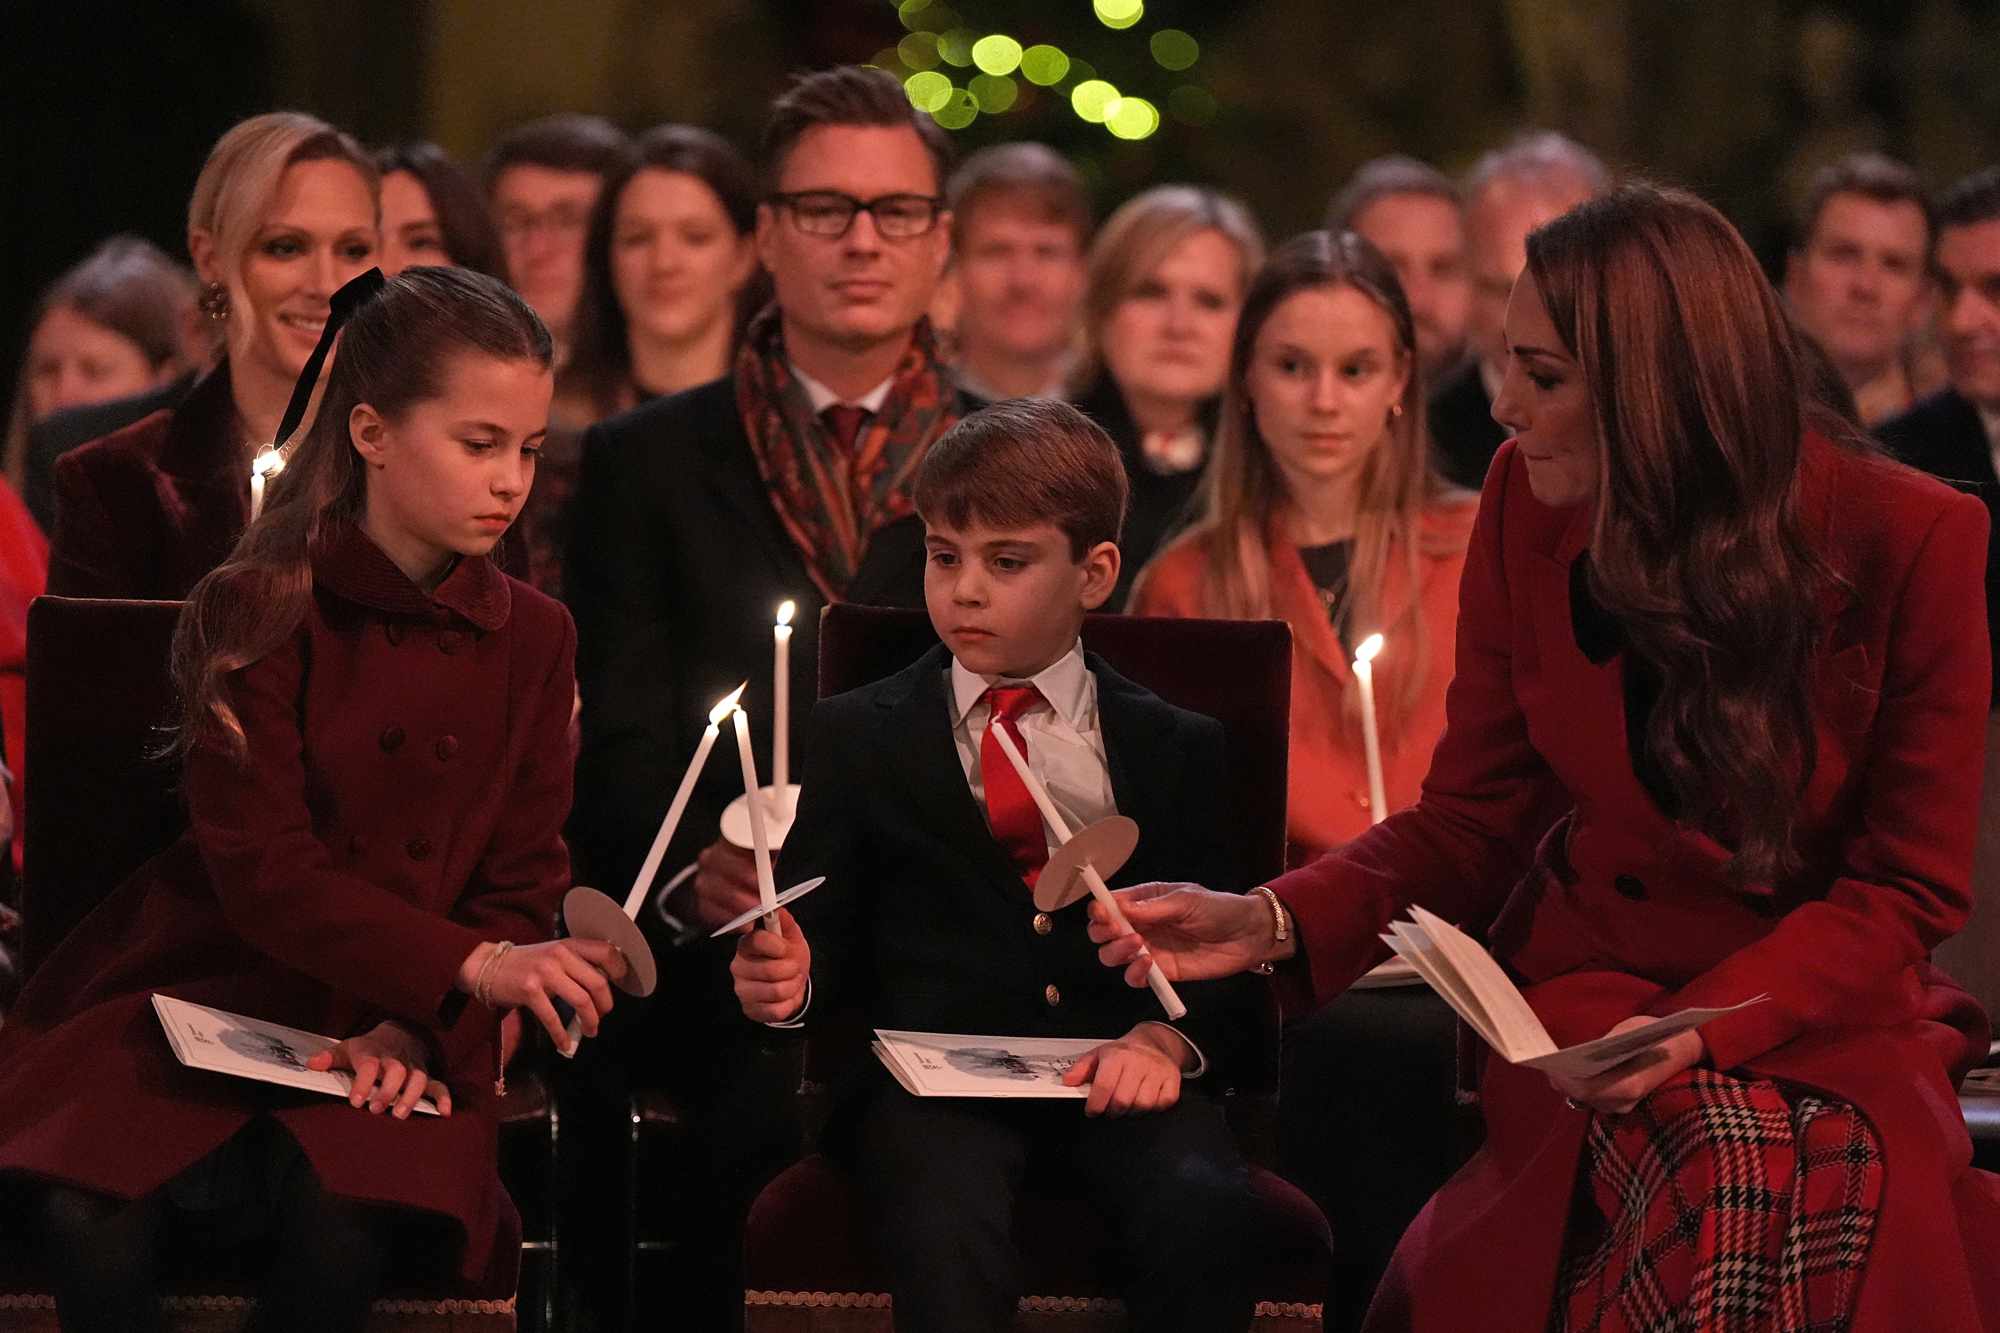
(377, 777)
(1715, 735)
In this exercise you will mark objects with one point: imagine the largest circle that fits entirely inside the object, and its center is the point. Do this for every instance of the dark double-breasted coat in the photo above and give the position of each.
(1623, 910)
(403, 800)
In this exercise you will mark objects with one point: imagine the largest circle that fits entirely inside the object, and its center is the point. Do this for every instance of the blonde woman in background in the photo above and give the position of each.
(1167, 274)
(284, 212)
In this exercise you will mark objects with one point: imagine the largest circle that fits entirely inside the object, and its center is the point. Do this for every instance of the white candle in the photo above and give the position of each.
(781, 695)
(658, 850)
(1163, 990)
(268, 463)
(1364, 676)
(760, 842)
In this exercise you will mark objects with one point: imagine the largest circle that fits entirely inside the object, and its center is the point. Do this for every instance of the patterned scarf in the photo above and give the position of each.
(832, 502)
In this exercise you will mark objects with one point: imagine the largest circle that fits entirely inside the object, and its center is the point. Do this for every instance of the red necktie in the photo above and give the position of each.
(843, 423)
(1010, 812)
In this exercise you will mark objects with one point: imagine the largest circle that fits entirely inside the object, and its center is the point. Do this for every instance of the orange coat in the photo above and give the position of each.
(1328, 799)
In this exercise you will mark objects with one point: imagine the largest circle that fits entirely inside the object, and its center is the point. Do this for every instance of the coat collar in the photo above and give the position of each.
(203, 439)
(348, 563)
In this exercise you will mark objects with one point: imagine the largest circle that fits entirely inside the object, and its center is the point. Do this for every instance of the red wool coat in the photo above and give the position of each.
(404, 800)
(1622, 910)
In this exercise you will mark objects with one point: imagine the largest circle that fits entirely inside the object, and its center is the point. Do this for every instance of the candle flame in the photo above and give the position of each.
(726, 706)
(1368, 648)
(785, 613)
(269, 463)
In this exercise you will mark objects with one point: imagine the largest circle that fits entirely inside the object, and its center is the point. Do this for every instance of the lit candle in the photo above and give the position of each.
(781, 695)
(760, 841)
(1163, 989)
(268, 463)
(1364, 676)
(651, 867)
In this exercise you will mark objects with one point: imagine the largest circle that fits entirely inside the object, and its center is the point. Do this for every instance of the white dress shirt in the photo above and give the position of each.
(822, 397)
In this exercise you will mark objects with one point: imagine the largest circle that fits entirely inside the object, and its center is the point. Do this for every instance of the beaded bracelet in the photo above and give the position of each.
(480, 991)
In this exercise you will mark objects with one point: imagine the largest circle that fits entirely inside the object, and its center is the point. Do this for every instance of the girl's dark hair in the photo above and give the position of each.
(1698, 549)
(600, 364)
(394, 353)
(470, 238)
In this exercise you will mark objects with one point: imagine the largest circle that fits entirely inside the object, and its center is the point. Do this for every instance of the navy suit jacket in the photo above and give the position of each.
(923, 923)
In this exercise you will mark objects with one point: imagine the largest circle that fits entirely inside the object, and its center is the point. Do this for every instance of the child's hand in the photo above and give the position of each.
(725, 883)
(576, 971)
(770, 970)
(1132, 1075)
(386, 1060)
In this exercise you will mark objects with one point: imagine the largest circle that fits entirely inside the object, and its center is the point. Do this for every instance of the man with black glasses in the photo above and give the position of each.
(698, 514)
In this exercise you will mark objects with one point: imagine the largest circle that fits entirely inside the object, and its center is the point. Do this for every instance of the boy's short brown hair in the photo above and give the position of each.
(1023, 462)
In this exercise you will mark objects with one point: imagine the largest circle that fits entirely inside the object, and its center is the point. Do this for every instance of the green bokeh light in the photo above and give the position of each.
(1132, 118)
(1044, 65)
(997, 54)
(908, 11)
(956, 47)
(1175, 49)
(919, 50)
(928, 91)
(1081, 71)
(959, 110)
(1119, 13)
(1192, 105)
(1092, 99)
(995, 93)
(888, 58)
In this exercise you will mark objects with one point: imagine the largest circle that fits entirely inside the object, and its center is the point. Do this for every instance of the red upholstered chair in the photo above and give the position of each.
(805, 1269)
(98, 694)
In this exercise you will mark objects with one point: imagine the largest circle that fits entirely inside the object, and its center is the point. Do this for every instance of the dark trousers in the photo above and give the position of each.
(322, 1258)
(1369, 1125)
(939, 1178)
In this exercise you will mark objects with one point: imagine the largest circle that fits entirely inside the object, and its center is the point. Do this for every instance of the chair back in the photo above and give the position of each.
(99, 804)
(1238, 672)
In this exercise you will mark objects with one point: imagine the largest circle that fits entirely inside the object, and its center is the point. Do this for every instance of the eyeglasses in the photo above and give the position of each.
(830, 213)
(560, 220)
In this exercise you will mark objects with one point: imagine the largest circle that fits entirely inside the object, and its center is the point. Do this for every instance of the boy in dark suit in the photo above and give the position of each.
(930, 843)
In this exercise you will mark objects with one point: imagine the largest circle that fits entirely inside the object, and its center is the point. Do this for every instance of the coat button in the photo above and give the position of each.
(1630, 886)
(446, 746)
(1042, 923)
(418, 848)
(392, 738)
(450, 641)
(1052, 996)
(393, 632)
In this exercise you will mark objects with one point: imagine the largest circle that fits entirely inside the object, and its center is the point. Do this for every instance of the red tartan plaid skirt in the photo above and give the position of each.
(1721, 1204)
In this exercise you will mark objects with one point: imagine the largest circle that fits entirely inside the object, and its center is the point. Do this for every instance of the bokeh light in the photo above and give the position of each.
(1174, 49)
(959, 110)
(887, 59)
(1092, 99)
(1119, 13)
(996, 53)
(1132, 118)
(995, 93)
(1192, 105)
(908, 11)
(956, 47)
(1080, 71)
(919, 50)
(1044, 65)
(928, 91)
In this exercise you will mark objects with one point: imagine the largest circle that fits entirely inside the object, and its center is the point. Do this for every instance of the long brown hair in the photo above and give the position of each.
(394, 353)
(1698, 549)
(1242, 487)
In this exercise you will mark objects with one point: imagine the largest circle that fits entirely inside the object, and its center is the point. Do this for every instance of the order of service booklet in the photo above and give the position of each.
(1473, 984)
(947, 1064)
(227, 1043)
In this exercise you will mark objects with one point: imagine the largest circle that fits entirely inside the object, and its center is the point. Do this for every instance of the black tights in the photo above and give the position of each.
(104, 1256)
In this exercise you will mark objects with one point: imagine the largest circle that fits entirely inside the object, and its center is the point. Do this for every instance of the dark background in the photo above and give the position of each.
(108, 109)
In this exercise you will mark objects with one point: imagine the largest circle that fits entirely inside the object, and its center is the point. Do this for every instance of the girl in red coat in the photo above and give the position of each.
(376, 776)
(1715, 734)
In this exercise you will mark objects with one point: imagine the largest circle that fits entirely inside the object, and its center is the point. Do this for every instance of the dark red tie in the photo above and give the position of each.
(1010, 811)
(843, 423)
